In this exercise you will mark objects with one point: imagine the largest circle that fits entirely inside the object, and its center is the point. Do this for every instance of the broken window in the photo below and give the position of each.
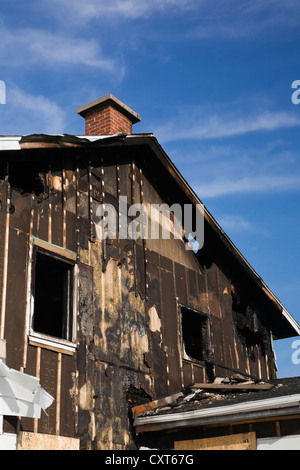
(27, 179)
(52, 295)
(195, 335)
(248, 323)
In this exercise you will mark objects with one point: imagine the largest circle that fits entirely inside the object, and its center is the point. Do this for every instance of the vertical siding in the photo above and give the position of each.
(128, 325)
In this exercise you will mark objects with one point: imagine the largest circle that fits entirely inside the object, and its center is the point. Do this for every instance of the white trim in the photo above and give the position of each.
(54, 249)
(40, 338)
(250, 406)
(291, 320)
(10, 142)
(94, 138)
(45, 340)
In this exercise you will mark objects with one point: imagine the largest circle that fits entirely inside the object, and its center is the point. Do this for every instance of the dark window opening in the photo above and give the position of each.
(27, 179)
(53, 297)
(195, 334)
(251, 332)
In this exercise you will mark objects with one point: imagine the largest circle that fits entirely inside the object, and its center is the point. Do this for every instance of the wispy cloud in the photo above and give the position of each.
(40, 46)
(196, 125)
(26, 113)
(218, 169)
(235, 223)
(252, 184)
(121, 9)
(237, 19)
(233, 19)
(53, 48)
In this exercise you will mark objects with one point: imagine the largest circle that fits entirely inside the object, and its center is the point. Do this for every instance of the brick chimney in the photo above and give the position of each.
(108, 115)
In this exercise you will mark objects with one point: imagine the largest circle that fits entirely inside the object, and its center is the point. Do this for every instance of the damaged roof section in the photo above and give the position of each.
(226, 400)
(47, 141)
(199, 392)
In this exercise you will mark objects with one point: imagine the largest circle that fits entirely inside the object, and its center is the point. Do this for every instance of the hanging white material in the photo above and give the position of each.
(21, 394)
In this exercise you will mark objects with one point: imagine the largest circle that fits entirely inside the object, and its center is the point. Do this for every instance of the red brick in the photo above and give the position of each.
(108, 116)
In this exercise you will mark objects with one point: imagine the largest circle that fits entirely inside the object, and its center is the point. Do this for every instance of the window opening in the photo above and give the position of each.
(53, 296)
(195, 334)
(251, 332)
(27, 179)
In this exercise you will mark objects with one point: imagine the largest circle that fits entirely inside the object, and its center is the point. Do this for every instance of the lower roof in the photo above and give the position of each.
(198, 407)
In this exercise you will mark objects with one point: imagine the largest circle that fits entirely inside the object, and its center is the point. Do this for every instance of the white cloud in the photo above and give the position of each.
(218, 169)
(196, 125)
(246, 18)
(230, 19)
(233, 18)
(66, 50)
(251, 184)
(120, 9)
(40, 46)
(25, 113)
(234, 223)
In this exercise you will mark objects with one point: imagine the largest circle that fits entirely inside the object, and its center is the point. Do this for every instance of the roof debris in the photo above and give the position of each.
(202, 392)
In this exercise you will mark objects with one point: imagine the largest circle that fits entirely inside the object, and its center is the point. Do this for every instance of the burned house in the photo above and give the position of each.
(118, 328)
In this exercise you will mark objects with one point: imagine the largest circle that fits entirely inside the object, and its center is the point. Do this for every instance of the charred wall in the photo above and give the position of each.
(129, 332)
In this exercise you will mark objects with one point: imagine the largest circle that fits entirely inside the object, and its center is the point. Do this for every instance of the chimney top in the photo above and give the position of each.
(108, 115)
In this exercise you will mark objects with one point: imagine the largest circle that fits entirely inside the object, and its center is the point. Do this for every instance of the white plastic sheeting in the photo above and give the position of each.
(21, 394)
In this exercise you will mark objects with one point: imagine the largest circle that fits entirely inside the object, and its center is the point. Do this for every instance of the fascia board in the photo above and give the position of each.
(10, 142)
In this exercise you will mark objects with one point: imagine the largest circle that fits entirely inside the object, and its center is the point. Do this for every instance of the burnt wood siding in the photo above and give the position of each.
(129, 293)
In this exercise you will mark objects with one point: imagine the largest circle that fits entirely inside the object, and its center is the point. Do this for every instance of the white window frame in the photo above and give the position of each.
(42, 339)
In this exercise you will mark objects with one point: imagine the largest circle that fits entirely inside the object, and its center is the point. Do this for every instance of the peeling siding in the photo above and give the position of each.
(128, 324)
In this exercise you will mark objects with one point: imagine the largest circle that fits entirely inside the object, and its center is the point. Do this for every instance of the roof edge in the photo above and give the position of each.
(212, 221)
(229, 412)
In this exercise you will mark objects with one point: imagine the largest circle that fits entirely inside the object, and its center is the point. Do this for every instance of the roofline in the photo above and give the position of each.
(16, 142)
(211, 220)
(13, 143)
(257, 408)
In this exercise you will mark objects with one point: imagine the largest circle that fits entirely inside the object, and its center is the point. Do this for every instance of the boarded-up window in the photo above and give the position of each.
(195, 335)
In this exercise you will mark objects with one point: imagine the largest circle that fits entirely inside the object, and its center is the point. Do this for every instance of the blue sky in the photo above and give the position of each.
(211, 79)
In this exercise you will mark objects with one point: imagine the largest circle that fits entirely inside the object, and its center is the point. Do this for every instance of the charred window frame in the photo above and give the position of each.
(195, 335)
(52, 295)
(251, 332)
